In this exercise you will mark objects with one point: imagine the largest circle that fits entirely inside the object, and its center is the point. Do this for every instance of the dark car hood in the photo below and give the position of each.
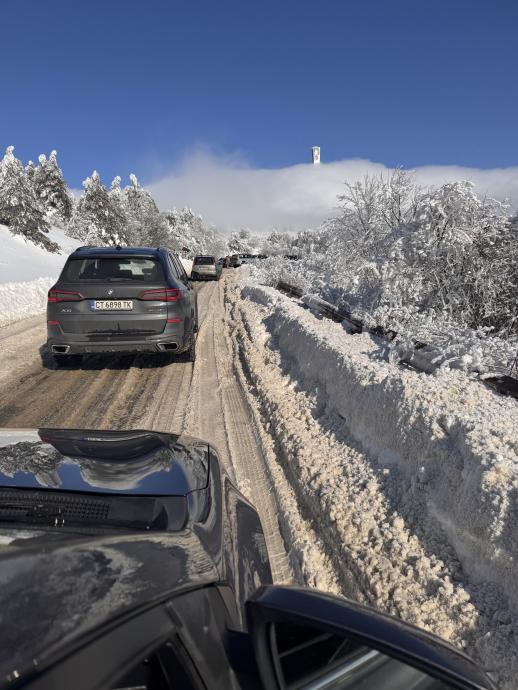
(144, 463)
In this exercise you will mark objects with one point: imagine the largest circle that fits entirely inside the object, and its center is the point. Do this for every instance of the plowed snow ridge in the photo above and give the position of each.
(408, 481)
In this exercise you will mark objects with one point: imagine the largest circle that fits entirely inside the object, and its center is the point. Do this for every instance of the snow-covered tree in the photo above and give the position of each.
(50, 187)
(30, 169)
(146, 225)
(240, 242)
(187, 232)
(20, 210)
(278, 243)
(138, 202)
(412, 259)
(98, 218)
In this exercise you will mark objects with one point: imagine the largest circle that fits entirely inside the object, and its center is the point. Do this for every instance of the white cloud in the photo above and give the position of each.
(231, 194)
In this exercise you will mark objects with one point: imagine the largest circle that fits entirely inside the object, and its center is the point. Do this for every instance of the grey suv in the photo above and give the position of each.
(123, 299)
(206, 268)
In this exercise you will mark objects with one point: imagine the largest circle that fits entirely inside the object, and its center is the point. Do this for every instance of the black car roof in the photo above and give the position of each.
(117, 251)
(145, 463)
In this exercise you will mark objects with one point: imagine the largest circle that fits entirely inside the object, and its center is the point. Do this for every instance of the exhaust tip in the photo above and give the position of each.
(168, 347)
(60, 349)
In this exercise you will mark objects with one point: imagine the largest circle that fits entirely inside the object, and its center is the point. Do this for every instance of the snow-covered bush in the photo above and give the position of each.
(422, 262)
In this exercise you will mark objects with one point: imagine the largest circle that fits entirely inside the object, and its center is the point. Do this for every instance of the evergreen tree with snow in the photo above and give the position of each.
(98, 219)
(138, 202)
(146, 225)
(118, 203)
(50, 187)
(20, 210)
(30, 169)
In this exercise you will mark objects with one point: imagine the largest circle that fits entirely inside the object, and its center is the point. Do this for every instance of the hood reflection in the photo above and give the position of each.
(141, 462)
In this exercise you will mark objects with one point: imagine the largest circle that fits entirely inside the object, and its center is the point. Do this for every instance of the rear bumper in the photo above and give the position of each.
(69, 344)
(204, 276)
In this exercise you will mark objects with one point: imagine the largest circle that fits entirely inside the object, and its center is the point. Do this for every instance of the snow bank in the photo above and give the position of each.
(411, 480)
(18, 300)
(454, 346)
(27, 272)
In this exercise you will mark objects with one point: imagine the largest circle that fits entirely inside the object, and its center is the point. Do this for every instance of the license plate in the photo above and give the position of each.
(113, 305)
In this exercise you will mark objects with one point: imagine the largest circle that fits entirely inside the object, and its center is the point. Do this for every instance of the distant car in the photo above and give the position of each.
(129, 560)
(234, 261)
(205, 268)
(114, 299)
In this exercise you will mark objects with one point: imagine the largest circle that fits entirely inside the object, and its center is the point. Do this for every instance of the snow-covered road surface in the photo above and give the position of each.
(395, 488)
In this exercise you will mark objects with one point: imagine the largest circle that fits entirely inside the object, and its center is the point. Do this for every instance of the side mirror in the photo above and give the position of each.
(302, 638)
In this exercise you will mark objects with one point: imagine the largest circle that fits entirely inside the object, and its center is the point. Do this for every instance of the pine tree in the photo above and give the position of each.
(50, 187)
(138, 202)
(20, 210)
(30, 170)
(146, 225)
(98, 218)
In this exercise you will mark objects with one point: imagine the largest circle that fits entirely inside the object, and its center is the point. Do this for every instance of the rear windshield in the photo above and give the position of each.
(204, 260)
(113, 269)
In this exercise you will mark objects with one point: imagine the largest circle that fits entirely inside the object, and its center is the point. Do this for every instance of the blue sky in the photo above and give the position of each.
(136, 86)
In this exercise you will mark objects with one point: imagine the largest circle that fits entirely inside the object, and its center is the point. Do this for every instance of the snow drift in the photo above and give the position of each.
(27, 271)
(409, 480)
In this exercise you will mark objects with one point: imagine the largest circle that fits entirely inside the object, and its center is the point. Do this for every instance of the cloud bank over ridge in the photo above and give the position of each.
(231, 194)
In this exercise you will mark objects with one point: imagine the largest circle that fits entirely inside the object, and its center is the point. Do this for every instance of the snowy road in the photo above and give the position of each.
(395, 488)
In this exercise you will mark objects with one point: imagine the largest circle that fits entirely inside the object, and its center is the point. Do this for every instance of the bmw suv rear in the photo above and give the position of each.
(129, 299)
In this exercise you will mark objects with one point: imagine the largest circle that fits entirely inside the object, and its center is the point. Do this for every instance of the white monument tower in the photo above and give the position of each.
(315, 154)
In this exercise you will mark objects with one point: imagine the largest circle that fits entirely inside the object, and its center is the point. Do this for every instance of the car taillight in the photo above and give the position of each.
(64, 296)
(162, 295)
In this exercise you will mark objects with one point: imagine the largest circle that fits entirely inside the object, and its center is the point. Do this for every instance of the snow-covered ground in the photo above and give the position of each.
(27, 272)
(408, 481)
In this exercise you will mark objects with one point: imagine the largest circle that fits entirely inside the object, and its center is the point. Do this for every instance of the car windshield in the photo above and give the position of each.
(113, 269)
(204, 260)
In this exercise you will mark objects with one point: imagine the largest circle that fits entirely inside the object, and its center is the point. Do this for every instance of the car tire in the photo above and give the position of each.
(67, 360)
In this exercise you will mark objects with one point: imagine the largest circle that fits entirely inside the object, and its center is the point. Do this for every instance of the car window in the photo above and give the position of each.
(117, 269)
(173, 268)
(204, 260)
(180, 268)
